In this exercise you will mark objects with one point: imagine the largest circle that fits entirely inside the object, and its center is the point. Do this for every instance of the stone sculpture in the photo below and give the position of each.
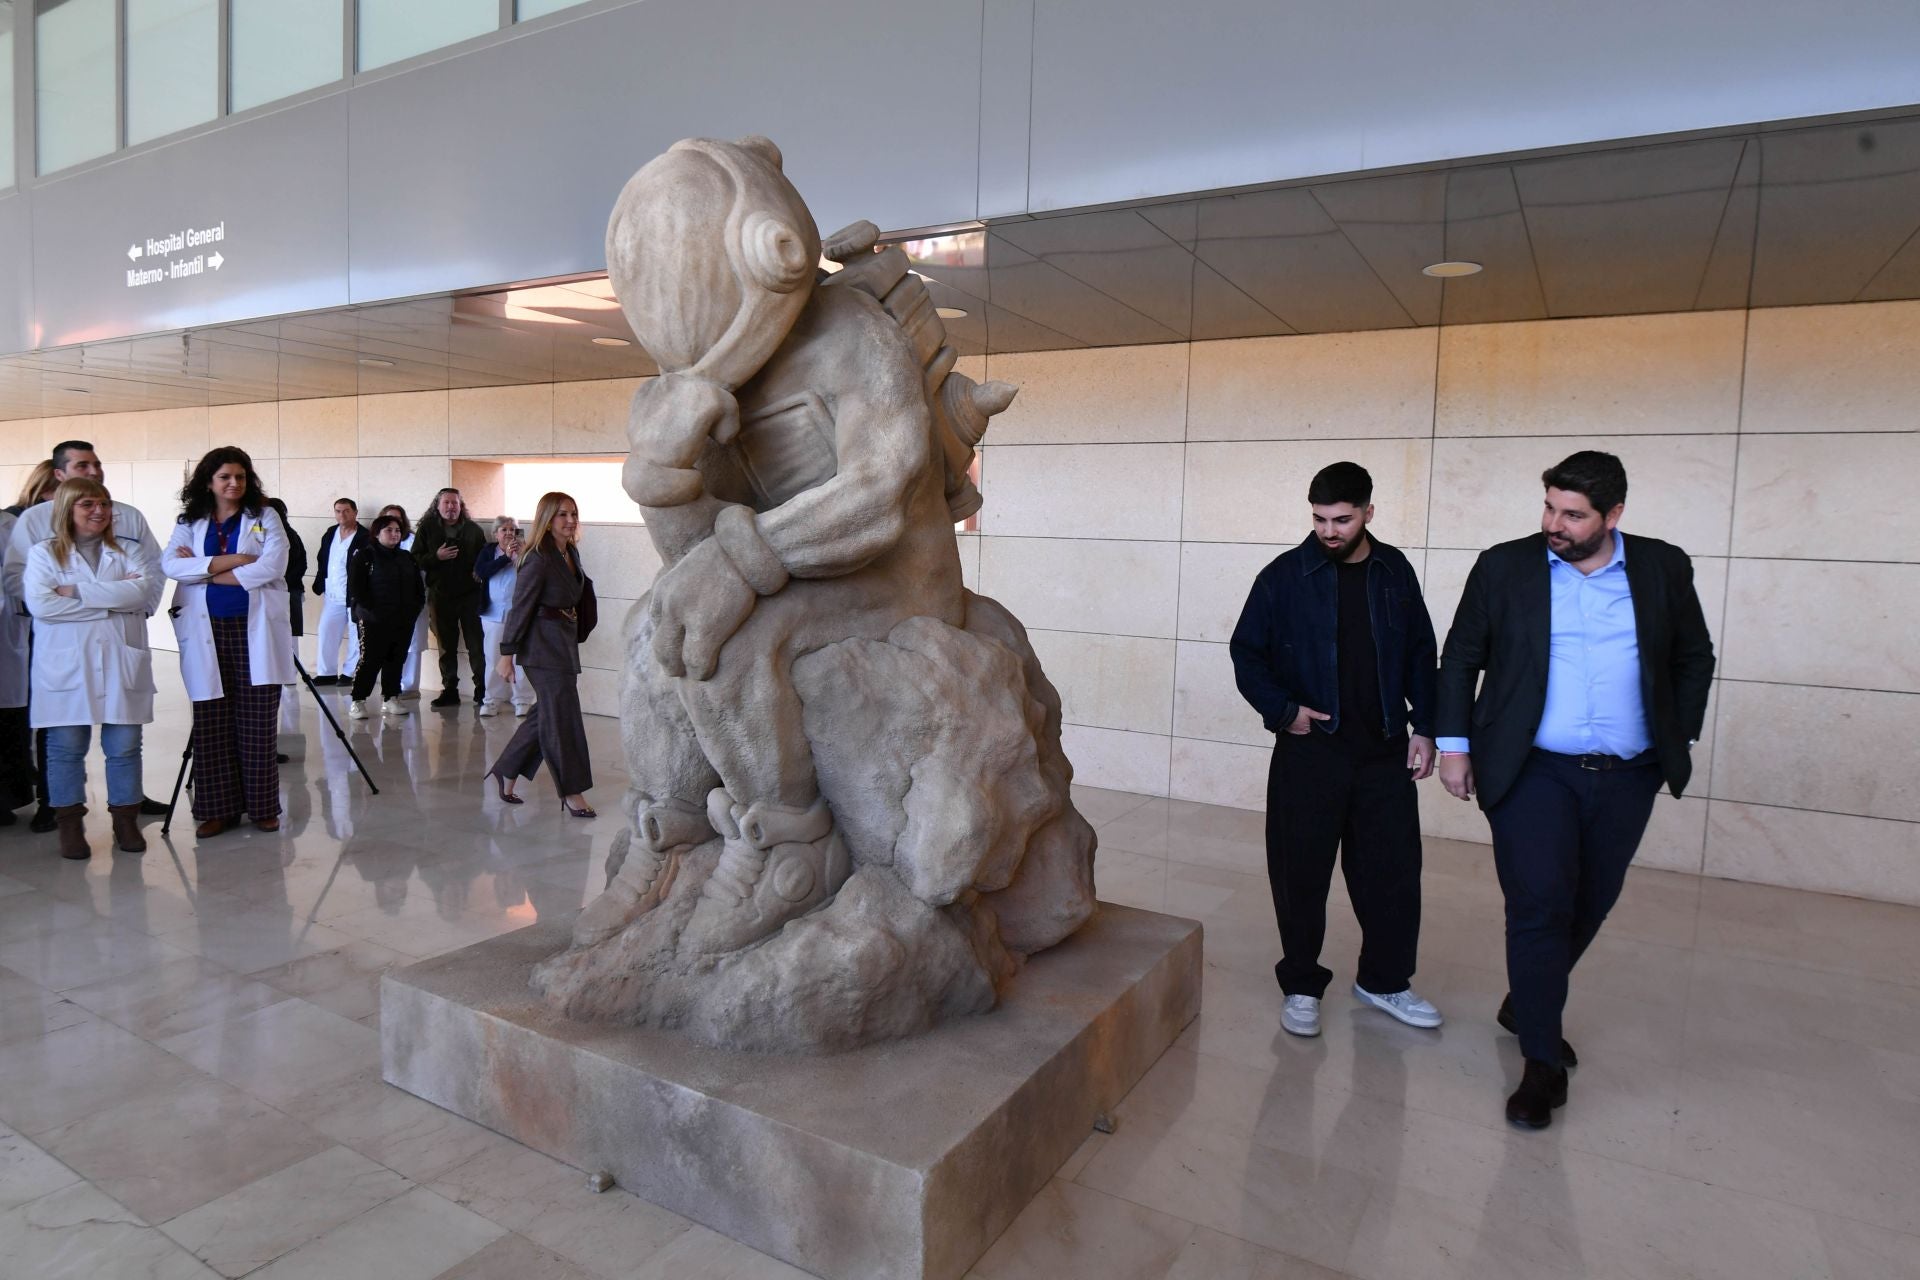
(849, 815)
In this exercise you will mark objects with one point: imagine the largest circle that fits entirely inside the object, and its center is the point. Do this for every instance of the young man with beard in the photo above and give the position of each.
(1332, 649)
(1593, 664)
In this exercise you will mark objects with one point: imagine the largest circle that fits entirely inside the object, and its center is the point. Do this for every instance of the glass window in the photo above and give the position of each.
(525, 9)
(394, 29)
(75, 113)
(173, 66)
(6, 94)
(283, 47)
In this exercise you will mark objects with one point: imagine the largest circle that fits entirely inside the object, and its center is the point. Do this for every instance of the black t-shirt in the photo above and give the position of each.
(1360, 712)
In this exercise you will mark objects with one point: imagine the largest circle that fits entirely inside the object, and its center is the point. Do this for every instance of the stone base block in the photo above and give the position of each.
(899, 1160)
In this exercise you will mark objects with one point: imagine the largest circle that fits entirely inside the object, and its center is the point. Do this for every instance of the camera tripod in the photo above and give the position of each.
(186, 757)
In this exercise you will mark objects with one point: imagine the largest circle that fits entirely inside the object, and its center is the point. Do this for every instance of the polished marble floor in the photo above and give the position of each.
(189, 1080)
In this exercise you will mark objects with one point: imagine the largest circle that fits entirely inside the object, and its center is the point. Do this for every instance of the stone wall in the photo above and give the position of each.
(1132, 493)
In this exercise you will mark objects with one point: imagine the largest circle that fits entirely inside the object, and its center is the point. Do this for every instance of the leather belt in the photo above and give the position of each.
(1604, 764)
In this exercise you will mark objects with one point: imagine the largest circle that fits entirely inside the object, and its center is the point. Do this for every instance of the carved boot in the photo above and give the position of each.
(777, 864)
(659, 835)
(126, 828)
(70, 821)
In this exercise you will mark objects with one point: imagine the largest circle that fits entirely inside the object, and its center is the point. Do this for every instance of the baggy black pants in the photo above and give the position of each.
(1562, 839)
(450, 620)
(383, 652)
(1328, 795)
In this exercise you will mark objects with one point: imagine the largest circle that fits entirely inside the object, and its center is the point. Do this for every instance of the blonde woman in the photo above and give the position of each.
(542, 630)
(90, 599)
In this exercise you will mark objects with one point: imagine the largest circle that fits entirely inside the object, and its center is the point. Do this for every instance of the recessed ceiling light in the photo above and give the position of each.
(1450, 270)
(376, 362)
(611, 342)
(950, 313)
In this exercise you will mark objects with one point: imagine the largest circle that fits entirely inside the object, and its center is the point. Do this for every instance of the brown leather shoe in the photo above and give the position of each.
(69, 820)
(126, 828)
(213, 827)
(267, 824)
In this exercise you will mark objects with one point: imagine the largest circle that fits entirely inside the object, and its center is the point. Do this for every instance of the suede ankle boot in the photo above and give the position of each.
(126, 828)
(69, 820)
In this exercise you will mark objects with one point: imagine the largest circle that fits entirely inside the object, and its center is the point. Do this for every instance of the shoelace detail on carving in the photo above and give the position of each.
(739, 868)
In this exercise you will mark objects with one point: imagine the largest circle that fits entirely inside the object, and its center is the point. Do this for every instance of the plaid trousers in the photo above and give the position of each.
(235, 750)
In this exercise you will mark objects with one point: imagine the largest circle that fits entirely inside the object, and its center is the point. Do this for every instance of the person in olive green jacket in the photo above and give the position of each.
(445, 545)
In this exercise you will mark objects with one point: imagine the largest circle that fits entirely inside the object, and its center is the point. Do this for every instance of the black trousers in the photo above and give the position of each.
(22, 765)
(1327, 794)
(383, 652)
(1562, 840)
(450, 619)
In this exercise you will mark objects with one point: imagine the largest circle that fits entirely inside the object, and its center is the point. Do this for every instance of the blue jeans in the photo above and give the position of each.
(67, 763)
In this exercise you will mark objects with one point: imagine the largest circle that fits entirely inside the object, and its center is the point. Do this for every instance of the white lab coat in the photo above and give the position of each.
(34, 526)
(15, 627)
(91, 664)
(269, 630)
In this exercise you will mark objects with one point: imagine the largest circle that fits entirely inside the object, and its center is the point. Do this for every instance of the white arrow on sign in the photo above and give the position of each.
(133, 253)
(215, 260)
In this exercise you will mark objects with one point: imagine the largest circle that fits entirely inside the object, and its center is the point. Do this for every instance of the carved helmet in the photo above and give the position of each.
(712, 252)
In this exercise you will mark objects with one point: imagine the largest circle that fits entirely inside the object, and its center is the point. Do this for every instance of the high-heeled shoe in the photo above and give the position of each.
(506, 796)
(578, 813)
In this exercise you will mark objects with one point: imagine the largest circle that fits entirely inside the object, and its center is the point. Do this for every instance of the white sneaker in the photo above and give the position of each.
(489, 709)
(357, 710)
(521, 708)
(1301, 1016)
(1406, 1006)
(395, 707)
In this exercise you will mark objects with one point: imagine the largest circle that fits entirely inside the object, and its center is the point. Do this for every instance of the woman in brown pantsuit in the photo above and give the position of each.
(542, 631)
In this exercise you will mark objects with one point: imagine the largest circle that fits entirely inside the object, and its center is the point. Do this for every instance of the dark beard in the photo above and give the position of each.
(1343, 553)
(1575, 552)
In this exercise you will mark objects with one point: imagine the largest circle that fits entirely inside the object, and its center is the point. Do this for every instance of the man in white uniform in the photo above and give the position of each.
(337, 546)
(73, 458)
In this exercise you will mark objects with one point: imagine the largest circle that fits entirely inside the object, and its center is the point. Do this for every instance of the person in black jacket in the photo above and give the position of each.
(1593, 663)
(447, 546)
(296, 581)
(1332, 649)
(338, 546)
(385, 595)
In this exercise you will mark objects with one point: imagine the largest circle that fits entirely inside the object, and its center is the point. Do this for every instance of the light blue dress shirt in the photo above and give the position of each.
(1594, 705)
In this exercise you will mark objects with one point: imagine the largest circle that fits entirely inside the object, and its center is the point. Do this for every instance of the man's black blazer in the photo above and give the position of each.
(1503, 627)
(325, 555)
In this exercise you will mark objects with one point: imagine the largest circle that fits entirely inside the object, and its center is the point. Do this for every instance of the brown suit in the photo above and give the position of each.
(547, 645)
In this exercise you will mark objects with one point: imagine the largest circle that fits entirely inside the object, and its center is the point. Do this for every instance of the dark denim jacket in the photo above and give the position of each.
(1286, 646)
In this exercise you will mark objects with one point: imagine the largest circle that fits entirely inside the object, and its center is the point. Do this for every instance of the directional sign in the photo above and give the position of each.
(175, 250)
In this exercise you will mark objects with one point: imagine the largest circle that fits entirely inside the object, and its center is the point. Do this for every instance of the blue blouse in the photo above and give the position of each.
(224, 601)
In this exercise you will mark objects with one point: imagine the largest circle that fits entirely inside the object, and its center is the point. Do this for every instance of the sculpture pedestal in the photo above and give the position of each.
(904, 1159)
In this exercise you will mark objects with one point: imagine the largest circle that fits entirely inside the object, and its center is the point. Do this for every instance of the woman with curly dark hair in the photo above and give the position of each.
(229, 555)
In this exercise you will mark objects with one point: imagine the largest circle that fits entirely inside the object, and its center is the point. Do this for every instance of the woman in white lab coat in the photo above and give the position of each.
(229, 555)
(89, 603)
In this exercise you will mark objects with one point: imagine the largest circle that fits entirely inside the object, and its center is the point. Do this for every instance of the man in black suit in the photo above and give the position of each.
(338, 545)
(1597, 665)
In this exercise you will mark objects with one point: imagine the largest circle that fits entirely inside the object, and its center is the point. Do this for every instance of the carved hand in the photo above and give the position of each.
(697, 606)
(673, 417)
